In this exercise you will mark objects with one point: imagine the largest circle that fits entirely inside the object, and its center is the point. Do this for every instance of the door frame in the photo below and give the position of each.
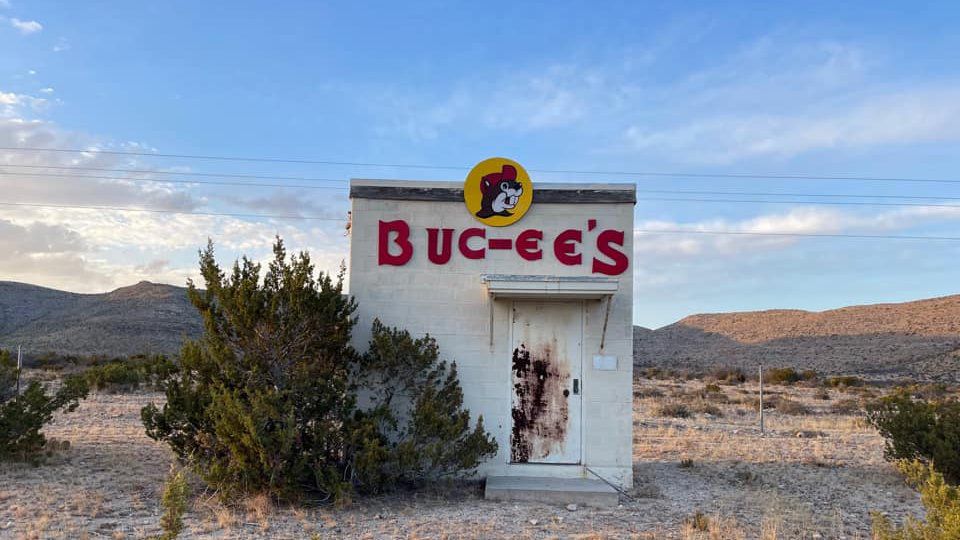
(580, 305)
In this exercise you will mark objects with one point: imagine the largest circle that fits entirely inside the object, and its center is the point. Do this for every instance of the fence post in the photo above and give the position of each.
(761, 400)
(19, 367)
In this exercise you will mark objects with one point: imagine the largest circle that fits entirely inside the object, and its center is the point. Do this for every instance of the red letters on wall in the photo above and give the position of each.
(528, 244)
(396, 249)
(402, 240)
(465, 237)
(605, 241)
(565, 247)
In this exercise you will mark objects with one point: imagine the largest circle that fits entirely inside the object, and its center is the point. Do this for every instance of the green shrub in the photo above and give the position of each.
(729, 375)
(712, 389)
(916, 429)
(266, 401)
(781, 376)
(176, 491)
(845, 381)
(940, 500)
(928, 391)
(406, 379)
(8, 376)
(23, 416)
(123, 374)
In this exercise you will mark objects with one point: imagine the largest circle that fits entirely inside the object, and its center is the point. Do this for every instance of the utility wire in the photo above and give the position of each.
(660, 191)
(816, 203)
(461, 168)
(177, 173)
(234, 158)
(160, 211)
(644, 231)
(814, 235)
(780, 194)
(170, 180)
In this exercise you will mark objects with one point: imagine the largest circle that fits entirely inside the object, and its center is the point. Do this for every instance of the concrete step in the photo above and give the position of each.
(583, 491)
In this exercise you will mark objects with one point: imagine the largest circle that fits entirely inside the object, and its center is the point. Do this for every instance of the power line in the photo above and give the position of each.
(831, 203)
(163, 211)
(781, 194)
(169, 180)
(814, 235)
(753, 176)
(668, 174)
(661, 191)
(235, 158)
(177, 173)
(644, 231)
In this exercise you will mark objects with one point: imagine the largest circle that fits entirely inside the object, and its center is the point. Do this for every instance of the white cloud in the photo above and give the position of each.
(95, 250)
(747, 235)
(779, 96)
(47, 90)
(37, 186)
(559, 96)
(911, 116)
(62, 45)
(26, 27)
(13, 105)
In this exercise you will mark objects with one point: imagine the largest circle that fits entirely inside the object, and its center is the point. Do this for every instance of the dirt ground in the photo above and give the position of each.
(817, 474)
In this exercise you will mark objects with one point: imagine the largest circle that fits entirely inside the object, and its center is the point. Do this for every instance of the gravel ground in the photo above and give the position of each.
(817, 475)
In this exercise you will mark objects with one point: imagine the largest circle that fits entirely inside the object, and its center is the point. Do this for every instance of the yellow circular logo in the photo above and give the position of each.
(498, 192)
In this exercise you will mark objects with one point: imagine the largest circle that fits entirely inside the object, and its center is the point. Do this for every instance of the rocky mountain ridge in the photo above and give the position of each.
(918, 340)
(142, 318)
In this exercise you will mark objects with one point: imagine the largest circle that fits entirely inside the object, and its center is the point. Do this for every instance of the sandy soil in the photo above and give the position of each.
(817, 475)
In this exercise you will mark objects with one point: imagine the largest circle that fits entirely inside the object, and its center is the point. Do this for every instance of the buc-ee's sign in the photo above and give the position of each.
(498, 192)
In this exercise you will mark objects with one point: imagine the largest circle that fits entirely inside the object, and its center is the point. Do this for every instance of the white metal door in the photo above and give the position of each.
(546, 365)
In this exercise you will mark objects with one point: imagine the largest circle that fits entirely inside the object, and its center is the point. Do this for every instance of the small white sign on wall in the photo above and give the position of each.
(603, 362)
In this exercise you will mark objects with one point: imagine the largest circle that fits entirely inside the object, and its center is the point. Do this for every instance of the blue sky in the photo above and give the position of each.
(811, 88)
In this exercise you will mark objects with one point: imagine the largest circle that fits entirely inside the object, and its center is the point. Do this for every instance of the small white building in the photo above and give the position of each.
(537, 314)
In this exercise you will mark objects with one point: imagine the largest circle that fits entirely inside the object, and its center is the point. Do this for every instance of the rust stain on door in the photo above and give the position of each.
(540, 409)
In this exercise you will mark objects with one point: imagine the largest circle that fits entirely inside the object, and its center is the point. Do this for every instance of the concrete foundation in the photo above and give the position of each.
(582, 491)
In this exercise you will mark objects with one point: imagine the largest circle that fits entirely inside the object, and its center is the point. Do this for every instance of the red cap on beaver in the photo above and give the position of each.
(508, 172)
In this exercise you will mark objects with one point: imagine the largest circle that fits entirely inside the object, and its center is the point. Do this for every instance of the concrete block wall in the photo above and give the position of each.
(450, 303)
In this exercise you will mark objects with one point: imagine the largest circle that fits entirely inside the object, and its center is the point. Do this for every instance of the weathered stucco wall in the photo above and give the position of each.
(451, 303)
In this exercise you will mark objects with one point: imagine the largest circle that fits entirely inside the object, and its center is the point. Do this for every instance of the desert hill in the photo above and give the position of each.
(142, 318)
(919, 340)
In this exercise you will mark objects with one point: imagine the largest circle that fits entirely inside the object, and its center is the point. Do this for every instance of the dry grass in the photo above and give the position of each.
(259, 509)
(819, 473)
(812, 472)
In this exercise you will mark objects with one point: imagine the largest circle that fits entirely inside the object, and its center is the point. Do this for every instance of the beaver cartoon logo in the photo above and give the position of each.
(498, 192)
(501, 191)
